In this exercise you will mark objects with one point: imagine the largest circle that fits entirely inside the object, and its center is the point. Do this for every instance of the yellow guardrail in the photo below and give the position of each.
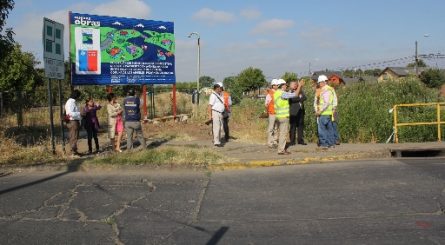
(438, 122)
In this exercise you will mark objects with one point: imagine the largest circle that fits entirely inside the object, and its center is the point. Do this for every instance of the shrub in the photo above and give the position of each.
(364, 111)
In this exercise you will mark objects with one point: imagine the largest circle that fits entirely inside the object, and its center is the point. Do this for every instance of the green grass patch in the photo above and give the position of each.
(172, 156)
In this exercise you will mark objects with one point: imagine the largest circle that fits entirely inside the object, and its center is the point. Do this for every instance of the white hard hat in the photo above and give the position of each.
(322, 78)
(281, 81)
(220, 84)
(274, 82)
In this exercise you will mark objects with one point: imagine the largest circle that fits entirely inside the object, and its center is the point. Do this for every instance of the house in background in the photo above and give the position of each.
(335, 77)
(394, 73)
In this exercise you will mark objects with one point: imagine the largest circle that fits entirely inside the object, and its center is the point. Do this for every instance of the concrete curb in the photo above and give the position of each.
(298, 161)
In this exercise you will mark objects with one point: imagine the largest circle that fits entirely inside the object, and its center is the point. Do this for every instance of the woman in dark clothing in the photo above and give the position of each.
(91, 123)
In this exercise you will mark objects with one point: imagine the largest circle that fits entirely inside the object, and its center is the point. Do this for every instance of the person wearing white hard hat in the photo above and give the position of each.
(272, 128)
(324, 108)
(215, 111)
(281, 104)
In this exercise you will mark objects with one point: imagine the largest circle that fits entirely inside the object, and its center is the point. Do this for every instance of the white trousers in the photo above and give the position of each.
(217, 127)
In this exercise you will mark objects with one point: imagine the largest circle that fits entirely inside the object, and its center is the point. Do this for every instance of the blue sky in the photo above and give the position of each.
(275, 36)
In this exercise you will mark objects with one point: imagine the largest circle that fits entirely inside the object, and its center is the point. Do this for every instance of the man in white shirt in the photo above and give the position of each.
(215, 111)
(73, 113)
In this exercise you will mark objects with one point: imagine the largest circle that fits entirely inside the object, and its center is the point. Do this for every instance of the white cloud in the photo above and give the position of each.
(211, 16)
(273, 26)
(124, 8)
(321, 37)
(250, 14)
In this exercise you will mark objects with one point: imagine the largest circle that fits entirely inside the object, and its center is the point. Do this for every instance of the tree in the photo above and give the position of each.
(420, 63)
(231, 84)
(206, 81)
(433, 78)
(19, 78)
(289, 76)
(6, 37)
(17, 71)
(251, 79)
(373, 72)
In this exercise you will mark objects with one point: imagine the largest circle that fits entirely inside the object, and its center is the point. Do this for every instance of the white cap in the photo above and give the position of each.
(322, 78)
(280, 81)
(220, 84)
(274, 82)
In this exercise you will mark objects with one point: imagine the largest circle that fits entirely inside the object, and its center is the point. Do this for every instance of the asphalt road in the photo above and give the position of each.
(362, 202)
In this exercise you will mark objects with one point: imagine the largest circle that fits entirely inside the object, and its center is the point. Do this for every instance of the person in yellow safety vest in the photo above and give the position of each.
(272, 129)
(281, 106)
(227, 99)
(335, 116)
(324, 111)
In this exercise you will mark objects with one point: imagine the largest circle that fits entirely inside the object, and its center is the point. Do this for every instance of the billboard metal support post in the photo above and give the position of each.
(51, 117)
(153, 109)
(144, 92)
(62, 132)
(174, 101)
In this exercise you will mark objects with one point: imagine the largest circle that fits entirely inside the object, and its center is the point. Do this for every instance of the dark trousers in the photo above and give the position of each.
(226, 128)
(296, 121)
(92, 133)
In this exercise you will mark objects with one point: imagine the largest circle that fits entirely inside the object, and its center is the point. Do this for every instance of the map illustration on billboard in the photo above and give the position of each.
(115, 50)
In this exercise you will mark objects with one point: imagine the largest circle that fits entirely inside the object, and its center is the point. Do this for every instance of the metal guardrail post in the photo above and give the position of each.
(396, 136)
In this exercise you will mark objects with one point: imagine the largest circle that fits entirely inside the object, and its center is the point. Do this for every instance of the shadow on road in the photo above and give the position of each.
(218, 235)
(74, 166)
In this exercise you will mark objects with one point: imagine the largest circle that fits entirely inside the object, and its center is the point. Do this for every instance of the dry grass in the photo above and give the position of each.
(171, 156)
(15, 153)
(31, 144)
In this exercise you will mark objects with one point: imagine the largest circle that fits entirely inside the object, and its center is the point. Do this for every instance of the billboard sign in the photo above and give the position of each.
(108, 50)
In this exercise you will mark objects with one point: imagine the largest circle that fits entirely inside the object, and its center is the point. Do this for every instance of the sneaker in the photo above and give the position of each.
(217, 145)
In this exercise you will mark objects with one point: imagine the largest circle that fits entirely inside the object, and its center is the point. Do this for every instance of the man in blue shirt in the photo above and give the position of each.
(133, 119)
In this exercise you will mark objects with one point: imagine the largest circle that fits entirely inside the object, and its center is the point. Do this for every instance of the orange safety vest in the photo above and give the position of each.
(271, 106)
(226, 100)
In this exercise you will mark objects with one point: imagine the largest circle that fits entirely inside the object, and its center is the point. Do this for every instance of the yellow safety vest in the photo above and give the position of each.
(281, 106)
(329, 109)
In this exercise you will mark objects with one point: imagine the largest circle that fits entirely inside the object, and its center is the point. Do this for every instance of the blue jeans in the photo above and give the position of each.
(336, 136)
(325, 131)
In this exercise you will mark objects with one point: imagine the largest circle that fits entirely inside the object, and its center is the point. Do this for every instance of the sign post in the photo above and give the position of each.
(53, 58)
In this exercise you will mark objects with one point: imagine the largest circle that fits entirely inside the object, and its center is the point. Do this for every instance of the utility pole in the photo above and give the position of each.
(309, 69)
(416, 66)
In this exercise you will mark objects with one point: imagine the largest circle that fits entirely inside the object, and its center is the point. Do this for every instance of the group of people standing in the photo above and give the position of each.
(128, 117)
(285, 108)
